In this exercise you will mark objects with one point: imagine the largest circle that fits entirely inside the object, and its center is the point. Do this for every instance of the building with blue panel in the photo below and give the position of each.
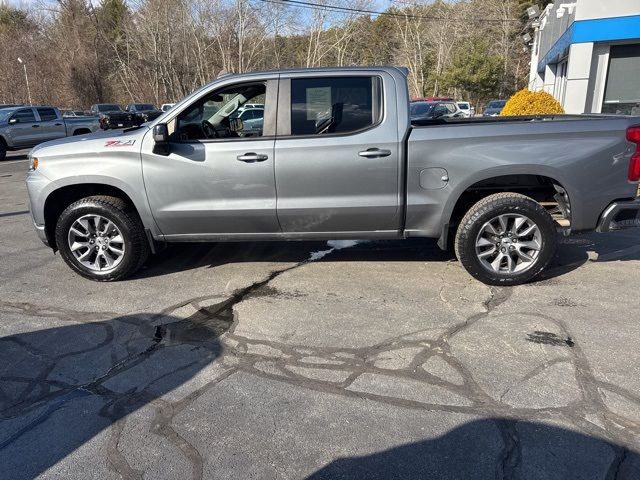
(586, 53)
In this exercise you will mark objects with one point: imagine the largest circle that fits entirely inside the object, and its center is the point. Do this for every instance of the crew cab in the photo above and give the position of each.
(337, 157)
(24, 127)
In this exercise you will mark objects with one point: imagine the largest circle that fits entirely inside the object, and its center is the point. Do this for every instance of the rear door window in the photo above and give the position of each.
(47, 114)
(327, 105)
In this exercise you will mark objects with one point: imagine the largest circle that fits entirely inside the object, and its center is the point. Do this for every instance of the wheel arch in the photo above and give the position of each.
(541, 184)
(59, 199)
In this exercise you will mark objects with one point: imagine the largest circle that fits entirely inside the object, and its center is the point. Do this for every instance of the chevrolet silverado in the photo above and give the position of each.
(336, 157)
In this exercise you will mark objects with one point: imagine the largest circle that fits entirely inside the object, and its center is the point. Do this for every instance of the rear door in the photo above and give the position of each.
(338, 154)
(51, 125)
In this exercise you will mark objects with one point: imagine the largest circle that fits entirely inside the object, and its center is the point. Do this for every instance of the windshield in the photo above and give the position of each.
(144, 106)
(497, 104)
(109, 108)
(421, 109)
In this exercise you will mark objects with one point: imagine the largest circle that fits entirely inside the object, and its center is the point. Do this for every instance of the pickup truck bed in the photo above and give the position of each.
(579, 153)
(335, 157)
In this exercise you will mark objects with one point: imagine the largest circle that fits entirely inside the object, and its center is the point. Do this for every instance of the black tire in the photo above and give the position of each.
(136, 248)
(489, 208)
(3, 150)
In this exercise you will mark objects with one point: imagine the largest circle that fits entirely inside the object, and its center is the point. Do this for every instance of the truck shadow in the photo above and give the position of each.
(62, 386)
(573, 252)
(493, 448)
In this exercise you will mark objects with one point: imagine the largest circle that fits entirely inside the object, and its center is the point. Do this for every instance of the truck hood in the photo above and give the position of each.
(92, 143)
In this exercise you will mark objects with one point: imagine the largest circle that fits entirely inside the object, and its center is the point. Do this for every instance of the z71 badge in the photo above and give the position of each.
(119, 143)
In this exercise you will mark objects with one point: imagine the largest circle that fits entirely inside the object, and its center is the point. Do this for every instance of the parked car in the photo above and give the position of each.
(467, 109)
(493, 108)
(337, 158)
(432, 99)
(143, 112)
(166, 106)
(252, 120)
(112, 116)
(25, 127)
(434, 110)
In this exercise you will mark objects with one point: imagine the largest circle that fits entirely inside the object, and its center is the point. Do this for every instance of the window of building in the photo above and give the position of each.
(622, 91)
(333, 104)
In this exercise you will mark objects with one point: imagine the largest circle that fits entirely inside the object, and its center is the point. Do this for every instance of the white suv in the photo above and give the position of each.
(467, 109)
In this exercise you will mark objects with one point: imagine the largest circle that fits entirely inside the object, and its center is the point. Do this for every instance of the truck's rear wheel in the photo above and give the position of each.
(101, 238)
(506, 239)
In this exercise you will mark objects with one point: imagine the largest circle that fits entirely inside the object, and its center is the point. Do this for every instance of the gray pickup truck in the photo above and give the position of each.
(336, 158)
(25, 127)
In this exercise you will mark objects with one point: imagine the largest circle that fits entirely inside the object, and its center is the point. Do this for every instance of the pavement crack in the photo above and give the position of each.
(615, 469)
(511, 454)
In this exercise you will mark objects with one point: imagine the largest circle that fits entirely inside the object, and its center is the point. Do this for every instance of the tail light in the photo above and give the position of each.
(633, 135)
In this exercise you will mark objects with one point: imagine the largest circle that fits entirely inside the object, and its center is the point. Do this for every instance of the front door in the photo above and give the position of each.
(24, 128)
(215, 180)
(338, 155)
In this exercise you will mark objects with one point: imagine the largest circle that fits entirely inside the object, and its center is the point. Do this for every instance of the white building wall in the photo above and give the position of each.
(597, 80)
(588, 9)
(578, 71)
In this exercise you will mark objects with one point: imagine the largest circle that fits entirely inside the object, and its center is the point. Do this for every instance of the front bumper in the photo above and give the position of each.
(620, 215)
(42, 234)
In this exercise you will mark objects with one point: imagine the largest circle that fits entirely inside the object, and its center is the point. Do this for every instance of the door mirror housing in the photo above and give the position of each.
(13, 121)
(161, 139)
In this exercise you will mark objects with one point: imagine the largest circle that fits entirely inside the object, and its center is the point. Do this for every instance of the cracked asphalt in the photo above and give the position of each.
(379, 360)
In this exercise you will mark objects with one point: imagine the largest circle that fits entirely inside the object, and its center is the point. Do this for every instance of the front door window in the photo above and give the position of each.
(217, 115)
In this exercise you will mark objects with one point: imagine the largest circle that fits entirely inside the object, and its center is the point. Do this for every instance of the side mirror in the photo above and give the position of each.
(161, 139)
(13, 121)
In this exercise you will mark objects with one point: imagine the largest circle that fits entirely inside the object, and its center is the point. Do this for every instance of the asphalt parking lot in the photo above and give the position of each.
(315, 360)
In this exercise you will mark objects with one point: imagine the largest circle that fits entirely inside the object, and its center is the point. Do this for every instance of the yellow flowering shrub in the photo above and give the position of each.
(526, 102)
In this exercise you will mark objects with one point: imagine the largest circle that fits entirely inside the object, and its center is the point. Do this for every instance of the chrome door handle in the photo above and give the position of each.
(374, 153)
(252, 157)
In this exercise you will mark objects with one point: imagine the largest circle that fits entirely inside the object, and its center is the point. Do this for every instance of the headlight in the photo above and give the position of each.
(33, 164)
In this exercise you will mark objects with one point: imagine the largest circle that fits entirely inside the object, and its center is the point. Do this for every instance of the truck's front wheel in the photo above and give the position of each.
(506, 239)
(101, 238)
